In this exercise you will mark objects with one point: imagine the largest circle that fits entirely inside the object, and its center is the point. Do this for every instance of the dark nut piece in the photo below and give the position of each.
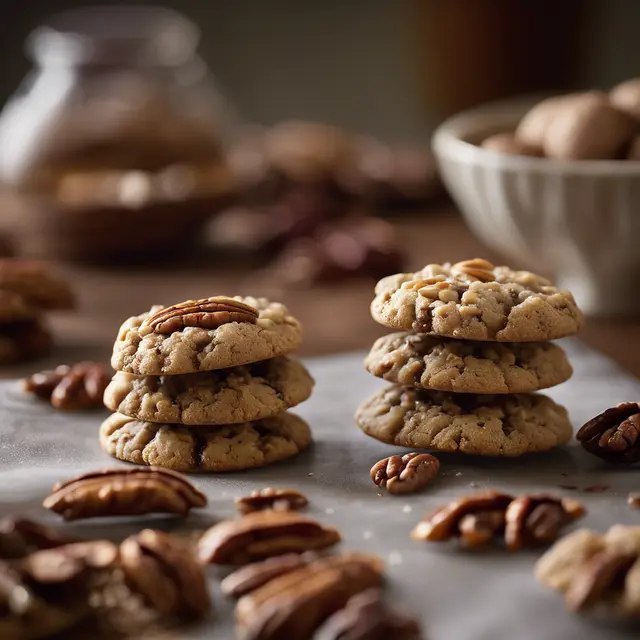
(444, 523)
(80, 386)
(614, 435)
(208, 313)
(367, 617)
(297, 603)
(278, 499)
(537, 520)
(261, 535)
(119, 492)
(165, 573)
(20, 537)
(479, 529)
(406, 474)
(254, 575)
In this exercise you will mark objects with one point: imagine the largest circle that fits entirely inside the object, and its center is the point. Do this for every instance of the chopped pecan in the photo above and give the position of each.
(116, 492)
(475, 269)
(261, 535)
(163, 571)
(297, 603)
(614, 435)
(20, 536)
(533, 520)
(208, 313)
(254, 575)
(405, 474)
(278, 499)
(367, 617)
(79, 386)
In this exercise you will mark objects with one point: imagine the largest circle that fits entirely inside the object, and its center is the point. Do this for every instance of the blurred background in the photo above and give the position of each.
(274, 148)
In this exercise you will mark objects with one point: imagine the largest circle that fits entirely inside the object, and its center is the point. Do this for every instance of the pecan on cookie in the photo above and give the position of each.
(118, 492)
(406, 474)
(614, 435)
(278, 499)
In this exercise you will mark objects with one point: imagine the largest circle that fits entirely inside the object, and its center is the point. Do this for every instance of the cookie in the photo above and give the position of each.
(463, 366)
(242, 394)
(473, 300)
(503, 425)
(20, 341)
(143, 349)
(36, 283)
(205, 449)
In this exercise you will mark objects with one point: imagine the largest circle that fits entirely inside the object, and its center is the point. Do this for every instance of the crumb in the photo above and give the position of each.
(310, 474)
(564, 474)
(459, 473)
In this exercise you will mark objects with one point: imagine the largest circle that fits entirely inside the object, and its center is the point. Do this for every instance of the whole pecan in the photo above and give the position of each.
(294, 605)
(261, 535)
(20, 537)
(367, 617)
(405, 474)
(164, 572)
(79, 386)
(115, 492)
(476, 269)
(254, 575)
(533, 520)
(279, 499)
(614, 435)
(208, 313)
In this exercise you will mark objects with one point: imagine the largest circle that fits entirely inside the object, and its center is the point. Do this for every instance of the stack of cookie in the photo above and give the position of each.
(474, 348)
(204, 385)
(27, 289)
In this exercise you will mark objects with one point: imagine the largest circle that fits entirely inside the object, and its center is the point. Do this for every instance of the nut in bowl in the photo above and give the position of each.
(554, 197)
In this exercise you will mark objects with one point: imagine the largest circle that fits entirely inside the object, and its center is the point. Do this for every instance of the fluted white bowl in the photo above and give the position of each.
(579, 220)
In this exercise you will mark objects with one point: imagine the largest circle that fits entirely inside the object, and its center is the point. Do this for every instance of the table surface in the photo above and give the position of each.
(336, 318)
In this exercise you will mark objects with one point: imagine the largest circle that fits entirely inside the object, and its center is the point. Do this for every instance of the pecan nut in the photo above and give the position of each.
(367, 615)
(263, 534)
(208, 313)
(406, 474)
(116, 492)
(164, 572)
(20, 537)
(534, 520)
(79, 386)
(278, 499)
(254, 575)
(475, 269)
(297, 603)
(614, 435)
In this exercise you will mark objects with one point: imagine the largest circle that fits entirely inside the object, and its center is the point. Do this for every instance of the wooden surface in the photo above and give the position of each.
(336, 318)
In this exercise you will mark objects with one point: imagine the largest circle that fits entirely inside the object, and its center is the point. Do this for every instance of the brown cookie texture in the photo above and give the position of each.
(485, 425)
(240, 394)
(142, 351)
(464, 366)
(476, 303)
(205, 449)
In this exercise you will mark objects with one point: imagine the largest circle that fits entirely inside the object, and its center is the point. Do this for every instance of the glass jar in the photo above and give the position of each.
(114, 145)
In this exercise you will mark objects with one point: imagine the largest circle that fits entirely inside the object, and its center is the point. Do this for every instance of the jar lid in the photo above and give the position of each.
(108, 35)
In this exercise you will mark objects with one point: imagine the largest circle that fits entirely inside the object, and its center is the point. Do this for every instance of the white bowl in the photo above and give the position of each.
(578, 220)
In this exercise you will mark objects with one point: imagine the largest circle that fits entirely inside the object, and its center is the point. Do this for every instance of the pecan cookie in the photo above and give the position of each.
(473, 300)
(204, 335)
(463, 366)
(508, 425)
(241, 394)
(205, 449)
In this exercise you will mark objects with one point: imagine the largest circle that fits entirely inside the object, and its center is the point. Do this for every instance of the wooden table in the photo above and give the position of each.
(336, 319)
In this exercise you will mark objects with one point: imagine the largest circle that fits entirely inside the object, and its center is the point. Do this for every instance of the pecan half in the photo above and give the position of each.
(444, 523)
(405, 474)
(297, 603)
(475, 269)
(261, 535)
(367, 617)
(79, 386)
(534, 520)
(479, 529)
(164, 572)
(614, 435)
(254, 575)
(20, 537)
(208, 313)
(278, 499)
(118, 492)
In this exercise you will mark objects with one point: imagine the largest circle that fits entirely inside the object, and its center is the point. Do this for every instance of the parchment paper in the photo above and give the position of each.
(457, 595)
